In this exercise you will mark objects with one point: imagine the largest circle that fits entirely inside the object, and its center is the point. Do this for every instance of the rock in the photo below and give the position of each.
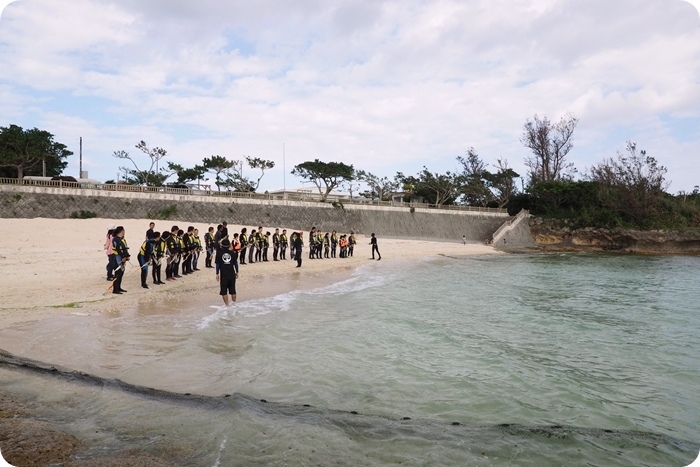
(550, 238)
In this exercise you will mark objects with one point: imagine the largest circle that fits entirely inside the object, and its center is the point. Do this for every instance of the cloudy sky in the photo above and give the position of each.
(384, 85)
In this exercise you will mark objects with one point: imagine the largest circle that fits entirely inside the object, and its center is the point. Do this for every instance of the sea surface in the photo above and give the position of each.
(556, 359)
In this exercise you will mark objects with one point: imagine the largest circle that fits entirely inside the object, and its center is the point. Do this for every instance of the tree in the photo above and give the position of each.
(632, 184)
(379, 188)
(472, 184)
(218, 165)
(23, 152)
(352, 186)
(185, 175)
(442, 188)
(148, 177)
(260, 164)
(325, 175)
(235, 179)
(501, 185)
(550, 143)
(408, 184)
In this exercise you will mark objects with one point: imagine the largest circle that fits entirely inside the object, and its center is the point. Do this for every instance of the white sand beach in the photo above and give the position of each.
(57, 266)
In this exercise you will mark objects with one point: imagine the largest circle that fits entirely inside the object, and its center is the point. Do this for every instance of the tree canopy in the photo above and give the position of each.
(325, 175)
(139, 176)
(550, 143)
(24, 152)
(634, 184)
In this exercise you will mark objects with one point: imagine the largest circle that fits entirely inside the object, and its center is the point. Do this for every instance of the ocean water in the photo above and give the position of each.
(566, 359)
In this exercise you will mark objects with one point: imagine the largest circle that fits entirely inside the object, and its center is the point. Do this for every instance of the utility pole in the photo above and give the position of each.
(284, 173)
(80, 172)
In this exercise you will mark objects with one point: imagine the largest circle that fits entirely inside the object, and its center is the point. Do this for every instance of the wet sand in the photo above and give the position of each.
(57, 267)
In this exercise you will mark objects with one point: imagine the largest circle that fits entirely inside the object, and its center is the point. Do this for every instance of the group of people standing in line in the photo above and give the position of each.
(181, 251)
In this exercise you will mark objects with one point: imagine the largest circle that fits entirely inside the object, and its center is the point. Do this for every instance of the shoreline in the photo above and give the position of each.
(56, 267)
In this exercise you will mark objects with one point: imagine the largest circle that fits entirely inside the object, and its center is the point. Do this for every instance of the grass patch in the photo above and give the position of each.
(165, 213)
(68, 305)
(82, 214)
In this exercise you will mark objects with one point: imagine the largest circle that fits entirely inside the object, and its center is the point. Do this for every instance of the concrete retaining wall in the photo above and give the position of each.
(397, 222)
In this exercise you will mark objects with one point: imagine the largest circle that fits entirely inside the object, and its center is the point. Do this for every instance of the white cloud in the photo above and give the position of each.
(385, 85)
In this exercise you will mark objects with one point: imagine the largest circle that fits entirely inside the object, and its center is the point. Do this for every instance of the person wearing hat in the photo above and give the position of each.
(227, 271)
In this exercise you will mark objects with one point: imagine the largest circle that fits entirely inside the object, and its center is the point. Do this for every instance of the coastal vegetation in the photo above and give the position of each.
(30, 152)
(627, 191)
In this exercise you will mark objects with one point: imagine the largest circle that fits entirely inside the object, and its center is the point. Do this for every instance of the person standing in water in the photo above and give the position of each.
(373, 242)
(227, 271)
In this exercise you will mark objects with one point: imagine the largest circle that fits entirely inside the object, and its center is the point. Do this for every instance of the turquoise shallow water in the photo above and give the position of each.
(566, 359)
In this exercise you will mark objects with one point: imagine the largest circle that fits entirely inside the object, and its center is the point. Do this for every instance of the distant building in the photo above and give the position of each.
(307, 194)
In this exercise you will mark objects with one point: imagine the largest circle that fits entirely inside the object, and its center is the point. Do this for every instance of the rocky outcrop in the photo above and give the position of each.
(550, 238)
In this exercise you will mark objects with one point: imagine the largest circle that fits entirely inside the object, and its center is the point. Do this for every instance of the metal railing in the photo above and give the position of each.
(304, 197)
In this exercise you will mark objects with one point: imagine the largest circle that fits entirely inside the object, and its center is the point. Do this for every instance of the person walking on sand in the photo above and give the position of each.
(464, 239)
(227, 271)
(373, 242)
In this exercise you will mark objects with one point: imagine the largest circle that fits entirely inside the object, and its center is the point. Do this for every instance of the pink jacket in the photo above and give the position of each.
(108, 245)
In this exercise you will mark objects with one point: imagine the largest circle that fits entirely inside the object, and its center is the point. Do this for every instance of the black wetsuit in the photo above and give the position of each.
(227, 268)
(373, 242)
(298, 244)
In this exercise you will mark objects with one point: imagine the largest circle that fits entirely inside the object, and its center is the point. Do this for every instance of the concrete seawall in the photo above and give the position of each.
(397, 222)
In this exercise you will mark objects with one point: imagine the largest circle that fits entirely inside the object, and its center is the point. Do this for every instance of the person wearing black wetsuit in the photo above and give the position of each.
(227, 271)
(298, 243)
(373, 242)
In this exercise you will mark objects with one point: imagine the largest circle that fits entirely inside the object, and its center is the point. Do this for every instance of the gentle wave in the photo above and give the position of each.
(362, 279)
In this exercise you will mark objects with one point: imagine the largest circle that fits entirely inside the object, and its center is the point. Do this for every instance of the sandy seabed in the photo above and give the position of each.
(58, 267)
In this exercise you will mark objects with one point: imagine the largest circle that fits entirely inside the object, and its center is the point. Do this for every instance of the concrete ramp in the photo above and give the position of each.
(514, 233)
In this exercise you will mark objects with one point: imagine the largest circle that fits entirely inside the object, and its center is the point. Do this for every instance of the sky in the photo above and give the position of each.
(386, 86)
